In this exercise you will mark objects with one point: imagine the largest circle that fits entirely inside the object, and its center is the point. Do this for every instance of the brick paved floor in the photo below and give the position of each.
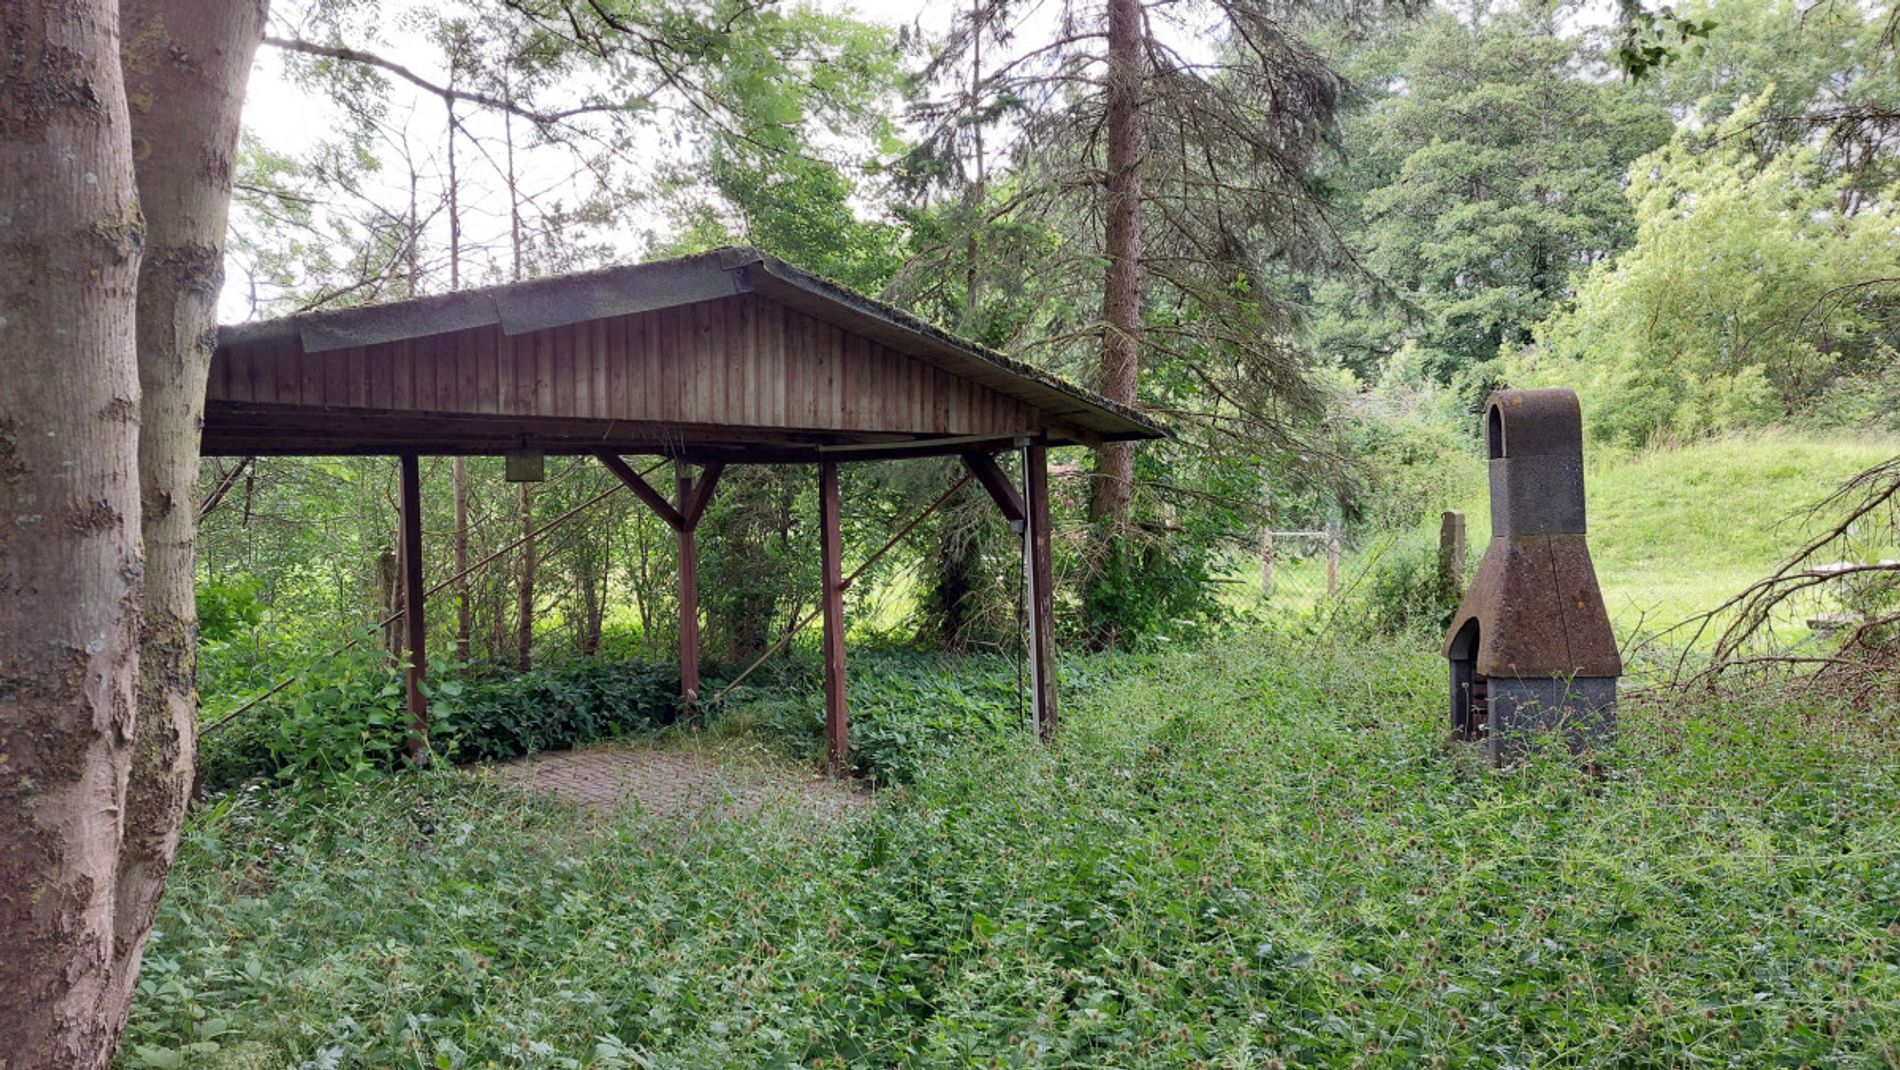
(676, 784)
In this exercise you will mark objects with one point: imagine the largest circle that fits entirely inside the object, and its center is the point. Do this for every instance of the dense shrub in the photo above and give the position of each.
(340, 720)
(1149, 589)
(228, 606)
(1748, 295)
(560, 706)
(1402, 590)
(347, 717)
(1415, 443)
(1149, 578)
(909, 711)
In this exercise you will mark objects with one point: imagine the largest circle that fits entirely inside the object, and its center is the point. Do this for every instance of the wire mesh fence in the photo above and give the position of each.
(1298, 571)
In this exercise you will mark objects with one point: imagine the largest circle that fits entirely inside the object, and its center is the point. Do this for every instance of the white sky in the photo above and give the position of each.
(291, 119)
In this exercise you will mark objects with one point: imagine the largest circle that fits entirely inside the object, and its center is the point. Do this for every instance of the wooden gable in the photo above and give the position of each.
(743, 361)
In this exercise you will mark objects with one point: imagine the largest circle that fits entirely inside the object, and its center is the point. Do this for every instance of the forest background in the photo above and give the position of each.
(1353, 224)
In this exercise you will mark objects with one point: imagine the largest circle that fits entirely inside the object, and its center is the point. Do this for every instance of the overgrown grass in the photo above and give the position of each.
(346, 717)
(908, 711)
(1246, 857)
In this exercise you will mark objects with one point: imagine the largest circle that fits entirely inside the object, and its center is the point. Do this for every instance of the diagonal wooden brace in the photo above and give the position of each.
(642, 490)
(701, 495)
(683, 518)
(996, 481)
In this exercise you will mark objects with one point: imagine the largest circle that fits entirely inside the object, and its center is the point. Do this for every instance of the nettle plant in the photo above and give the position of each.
(564, 705)
(346, 718)
(341, 721)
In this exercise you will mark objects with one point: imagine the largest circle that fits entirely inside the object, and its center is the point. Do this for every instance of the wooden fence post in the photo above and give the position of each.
(1266, 562)
(1332, 560)
(1451, 551)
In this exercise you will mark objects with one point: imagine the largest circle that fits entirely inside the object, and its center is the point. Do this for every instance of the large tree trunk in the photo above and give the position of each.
(959, 558)
(643, 578)
(464, 623)
(70, 565)
(389, 602)
(1121, 293)
(185, 67)
(588, 580)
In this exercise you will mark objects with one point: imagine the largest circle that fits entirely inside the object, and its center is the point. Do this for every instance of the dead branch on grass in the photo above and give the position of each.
(1863, 663)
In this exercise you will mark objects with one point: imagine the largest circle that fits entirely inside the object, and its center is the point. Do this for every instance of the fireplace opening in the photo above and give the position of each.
(1470, 689)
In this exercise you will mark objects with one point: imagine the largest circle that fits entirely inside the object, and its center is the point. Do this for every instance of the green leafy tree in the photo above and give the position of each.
(1150, 196)
(1748, 292)
(1826, 71)
(1489, 170)
(795, 170)
(794, 166)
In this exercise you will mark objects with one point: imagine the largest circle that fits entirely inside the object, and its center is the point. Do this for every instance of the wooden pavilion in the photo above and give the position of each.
(729, 357)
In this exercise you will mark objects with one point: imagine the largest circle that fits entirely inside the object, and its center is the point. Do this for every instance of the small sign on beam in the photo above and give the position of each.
(526, 466)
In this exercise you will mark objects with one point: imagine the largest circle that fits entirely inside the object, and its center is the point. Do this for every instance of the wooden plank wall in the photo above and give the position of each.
(737, 361)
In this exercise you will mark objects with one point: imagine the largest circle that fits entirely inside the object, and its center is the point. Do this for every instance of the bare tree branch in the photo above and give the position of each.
(447, 93)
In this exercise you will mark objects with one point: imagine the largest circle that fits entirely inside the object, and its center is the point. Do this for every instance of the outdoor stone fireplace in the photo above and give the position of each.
(1530, 647)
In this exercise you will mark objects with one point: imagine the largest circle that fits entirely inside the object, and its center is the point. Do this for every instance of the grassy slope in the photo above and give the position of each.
(1257, 856)
(1674, 532)
(1677, 531)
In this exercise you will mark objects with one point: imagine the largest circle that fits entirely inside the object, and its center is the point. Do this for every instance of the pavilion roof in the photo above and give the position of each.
(563, 300)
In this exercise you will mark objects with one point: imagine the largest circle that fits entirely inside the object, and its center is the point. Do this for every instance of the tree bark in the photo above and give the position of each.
(1121, 292)
(644, 578)
(70, 562)
(959, 557)
(464, 614)
(589, 583)
(185, 67)
(389, 598)
(978, 191)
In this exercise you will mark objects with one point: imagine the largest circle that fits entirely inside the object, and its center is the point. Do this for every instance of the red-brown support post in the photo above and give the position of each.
(689, 590)
(415, 625)
(837, 734)
(1042, 642)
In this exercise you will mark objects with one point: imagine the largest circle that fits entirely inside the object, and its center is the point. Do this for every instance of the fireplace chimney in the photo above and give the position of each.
(1530, 646)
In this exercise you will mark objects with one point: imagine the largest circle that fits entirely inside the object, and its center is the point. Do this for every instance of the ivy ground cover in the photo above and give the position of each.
(1244, 856)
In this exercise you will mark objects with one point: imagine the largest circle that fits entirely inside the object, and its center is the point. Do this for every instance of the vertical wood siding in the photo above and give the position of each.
(740, 361)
